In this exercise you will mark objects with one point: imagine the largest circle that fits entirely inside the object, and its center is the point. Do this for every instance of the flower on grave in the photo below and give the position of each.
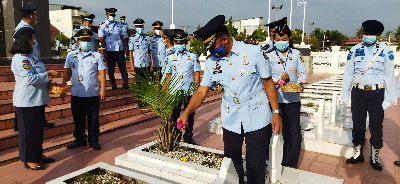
(303, 81)
(180, 124)
(185, 159)
(281, 82)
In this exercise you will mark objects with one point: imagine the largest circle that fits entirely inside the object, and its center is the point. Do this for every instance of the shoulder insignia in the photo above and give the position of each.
(208, 56)
(25, 61)
(26, 66)
(250, 42)
(171, 52)
(265, 55)
(92, 56)
(102, 23)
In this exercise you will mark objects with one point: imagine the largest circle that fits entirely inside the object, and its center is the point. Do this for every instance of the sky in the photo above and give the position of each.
(343, 15)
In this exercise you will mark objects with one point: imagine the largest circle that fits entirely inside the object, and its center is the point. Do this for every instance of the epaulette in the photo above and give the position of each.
(171, 52)
(208, 56)
(250, 42)
(192, 52)
(102, 23)
(265, 55)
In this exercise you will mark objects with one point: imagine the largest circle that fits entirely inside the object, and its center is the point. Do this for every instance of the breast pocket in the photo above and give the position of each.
(91, 65)
(378, 63)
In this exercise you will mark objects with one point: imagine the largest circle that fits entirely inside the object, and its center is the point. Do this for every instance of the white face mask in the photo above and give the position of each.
(157, 32)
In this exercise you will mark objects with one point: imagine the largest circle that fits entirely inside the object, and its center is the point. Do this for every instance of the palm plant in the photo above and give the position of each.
(360, 32)
(161, 96)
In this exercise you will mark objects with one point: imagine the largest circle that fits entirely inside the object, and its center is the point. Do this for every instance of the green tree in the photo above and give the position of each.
(315, 43)
(335, 35)
(360, 32)
(196, 45)
(231, 30)
(396, 33)
(149, 33)
(389, 33)
(64, 40)
(259, 35)
(241, 36)
(296, 36)
(318, 33)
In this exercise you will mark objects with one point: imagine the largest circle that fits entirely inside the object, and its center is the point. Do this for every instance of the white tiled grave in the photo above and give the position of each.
(109, 168)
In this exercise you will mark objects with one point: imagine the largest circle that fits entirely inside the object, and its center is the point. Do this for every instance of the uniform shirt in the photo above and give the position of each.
(293, 64)
(73, 46)
(269, 46)
(31, 81)
(182, 66)
(244, 100)
(93, 38)
(140, 45)
(154, 45)
(164, 64)
(381, 70)
(161, 54)
(24, 24)
(57, 44)
(112, 32)
(398, 86)
(125, 29)
(84, 78)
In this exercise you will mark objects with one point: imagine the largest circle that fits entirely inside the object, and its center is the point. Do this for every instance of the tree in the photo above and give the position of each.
(389, 33)
(259, 35)
(196, 45)
(241, 36)
(296, 36)
(149, 33)
(360, 32)
(231, 30)
(64, 40)
(397, 33)
(315, 44)
(318, 33)
(335, 35)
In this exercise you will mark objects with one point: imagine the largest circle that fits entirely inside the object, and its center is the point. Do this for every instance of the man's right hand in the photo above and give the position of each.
(184, 119)
(276, 123)
(133, 69)
(52, 73)
(62, 96)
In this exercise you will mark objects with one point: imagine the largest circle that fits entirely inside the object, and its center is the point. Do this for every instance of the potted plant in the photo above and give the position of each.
(161, 96)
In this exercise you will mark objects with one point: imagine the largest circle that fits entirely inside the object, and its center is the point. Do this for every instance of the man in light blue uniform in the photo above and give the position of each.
(141, 46)
(57, 47)
(185, 66)
(84, 65)
(374, 92)
(241, 72)
(112, 39)
(125, 29)
(73, 46)
(168, 43)
(156, 45)
(87, 22)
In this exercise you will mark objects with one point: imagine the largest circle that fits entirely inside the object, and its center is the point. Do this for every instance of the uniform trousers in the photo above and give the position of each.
(116, 57)
(127, 43)
(142, 72)
(30, 136)
(175, 115)
(58, 51)
(361, 103)
(291, 132)
(255, 153)
(83, 107)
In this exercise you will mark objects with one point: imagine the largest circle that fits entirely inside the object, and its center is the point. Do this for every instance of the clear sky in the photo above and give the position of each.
(343, 15)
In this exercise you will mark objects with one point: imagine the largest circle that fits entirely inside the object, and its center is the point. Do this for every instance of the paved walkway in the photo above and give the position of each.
(119, 142)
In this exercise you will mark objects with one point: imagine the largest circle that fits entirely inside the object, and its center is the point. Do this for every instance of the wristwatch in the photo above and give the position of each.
(279, 111)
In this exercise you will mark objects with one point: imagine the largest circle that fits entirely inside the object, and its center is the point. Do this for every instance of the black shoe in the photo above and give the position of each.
(357, 157)
(189, 140)
(397, 163)
(113, 86)
(95, 145)
(49, 125)
(48, 160)
(39, 167)
(75, 145)
(374, 161)
(125, 86)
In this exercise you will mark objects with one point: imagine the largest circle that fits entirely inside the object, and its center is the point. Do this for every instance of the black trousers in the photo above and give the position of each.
(255, 153)
(291, 132)
(30, 137)
(58, 51)
(116, 57)
(83, 107)
(127, 43)
(141, 72)
(175, 115)
(361, 103)
(16, 120)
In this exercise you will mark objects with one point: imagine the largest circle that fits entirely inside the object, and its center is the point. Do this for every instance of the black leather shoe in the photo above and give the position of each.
(75, 145)
(95, 145)
(357, 157)
(125, 86)
(39, 167)
(374, 160)
(48, 160)
(113, 86)
(189, 140)
(49, 125)
(397, 163)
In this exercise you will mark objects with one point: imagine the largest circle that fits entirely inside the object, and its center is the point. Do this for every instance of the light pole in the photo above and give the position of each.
(323, 44)
(172, 26)
(277, 8)
(299, 3)
(184, 28)
(291, 10)
(311, 24)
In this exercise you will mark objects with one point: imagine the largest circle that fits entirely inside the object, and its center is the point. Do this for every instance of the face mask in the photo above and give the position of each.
(281, 45)
(36, 21)
(111, 18)
(218, 52)
(157, 32)
(35, 46)
(139, 30)
(180, 48)
(369, 39)
(86, 46)
(123, 21)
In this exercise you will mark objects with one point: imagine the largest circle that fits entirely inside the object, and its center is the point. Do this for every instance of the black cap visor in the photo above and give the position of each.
(85, 39)
(180, 41)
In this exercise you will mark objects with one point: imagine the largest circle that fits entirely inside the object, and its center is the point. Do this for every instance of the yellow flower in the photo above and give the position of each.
(244, 55)
(185, 159)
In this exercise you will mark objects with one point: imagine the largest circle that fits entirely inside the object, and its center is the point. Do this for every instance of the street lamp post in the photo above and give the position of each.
(277, 8)
(291, 10)
(323, 44)
(311, 24)
(299, 3)
(172, 26)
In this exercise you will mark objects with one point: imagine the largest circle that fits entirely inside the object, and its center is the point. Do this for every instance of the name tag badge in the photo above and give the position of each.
(217, 72)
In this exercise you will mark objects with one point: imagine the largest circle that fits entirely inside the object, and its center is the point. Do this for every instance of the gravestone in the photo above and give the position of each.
(321, 116)
(275, 157)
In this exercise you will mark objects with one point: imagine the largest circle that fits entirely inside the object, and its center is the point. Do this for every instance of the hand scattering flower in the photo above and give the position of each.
(180, 124)
(281, 82)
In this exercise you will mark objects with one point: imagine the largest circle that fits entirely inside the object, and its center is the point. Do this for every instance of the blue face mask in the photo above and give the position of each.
(218, 52)
(123, 21)
(111, 18)
(86, 46)
(281, 45)
(139, 30)
(369, 39)
(180, 48)
(35, 46)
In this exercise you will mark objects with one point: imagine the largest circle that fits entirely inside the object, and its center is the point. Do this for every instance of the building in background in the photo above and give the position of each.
(66, 18)
(249, 24)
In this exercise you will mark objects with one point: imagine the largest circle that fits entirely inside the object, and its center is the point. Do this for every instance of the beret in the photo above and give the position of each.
(21, 30)
(373, 27)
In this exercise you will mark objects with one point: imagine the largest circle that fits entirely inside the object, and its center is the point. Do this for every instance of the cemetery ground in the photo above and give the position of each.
(122, 140)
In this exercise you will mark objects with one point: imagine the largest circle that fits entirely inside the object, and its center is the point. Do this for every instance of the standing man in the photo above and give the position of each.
(271, 27)
(169, 45)
(157, 47)
(57, 47)
(140, 45)
(84, 65)
(240, 71)
(125, 29)
(370, 79)
(111, 38)
(184, 65)
(87, 22)
(28, 19)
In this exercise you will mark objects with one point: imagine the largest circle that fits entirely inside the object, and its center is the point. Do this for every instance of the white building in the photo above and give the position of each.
(249, 24)
(66, 18)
